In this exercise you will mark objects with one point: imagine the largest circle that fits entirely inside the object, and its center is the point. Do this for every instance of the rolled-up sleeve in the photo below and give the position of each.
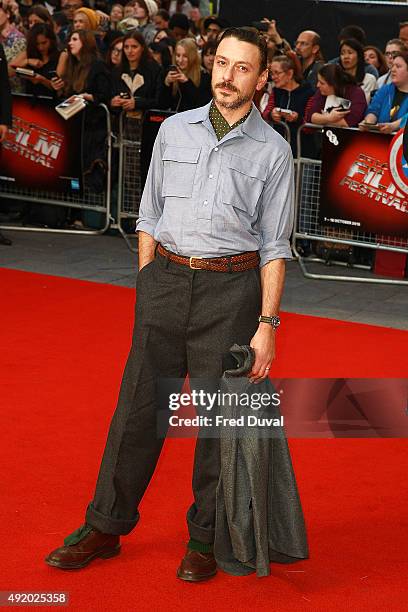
(152, 202)
(277, 210)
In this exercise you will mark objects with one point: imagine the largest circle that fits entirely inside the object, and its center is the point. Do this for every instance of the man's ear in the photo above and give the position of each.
(262, 79)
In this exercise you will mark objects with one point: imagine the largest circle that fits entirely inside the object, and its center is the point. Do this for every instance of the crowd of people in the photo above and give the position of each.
(159, 54)
(134, 56)
(144, 54)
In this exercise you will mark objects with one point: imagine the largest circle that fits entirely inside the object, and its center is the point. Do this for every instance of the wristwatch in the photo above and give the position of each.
(274, 321)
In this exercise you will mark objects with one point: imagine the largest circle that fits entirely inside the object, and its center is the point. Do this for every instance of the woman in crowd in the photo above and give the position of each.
(86, 75)
(116, 15)
(145, 10)
(208, 55)
(353, 63)
(161, 53)
(389, 108)
(38, 14)
(373, 56)
(137, 80)
(393, 47)
(288, 94)
(86, 19)
(42, 56)
(13, 41)
(161, 34)
(188, 86)
(114, 54)
(326, 107)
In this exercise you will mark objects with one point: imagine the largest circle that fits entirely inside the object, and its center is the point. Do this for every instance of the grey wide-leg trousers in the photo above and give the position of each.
(186, 321)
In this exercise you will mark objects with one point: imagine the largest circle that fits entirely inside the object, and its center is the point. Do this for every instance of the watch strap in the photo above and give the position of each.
(274, 321)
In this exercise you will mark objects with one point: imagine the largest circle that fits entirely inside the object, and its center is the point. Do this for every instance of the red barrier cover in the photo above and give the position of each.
(41, 151)
(364, 182)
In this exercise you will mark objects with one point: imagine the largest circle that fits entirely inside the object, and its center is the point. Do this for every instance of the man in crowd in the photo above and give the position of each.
(5, 111)
(308, 50)
(214, 227)
(161, 20)
(392, 48)
(212, 27)
(68, 7)
(403, 32)
(353, 31)
(179, 26)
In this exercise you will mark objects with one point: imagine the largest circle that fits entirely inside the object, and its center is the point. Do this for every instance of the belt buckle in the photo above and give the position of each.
(192, 266)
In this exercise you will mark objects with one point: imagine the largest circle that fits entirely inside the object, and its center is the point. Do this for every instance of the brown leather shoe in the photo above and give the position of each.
(93, 546)
(197, 566)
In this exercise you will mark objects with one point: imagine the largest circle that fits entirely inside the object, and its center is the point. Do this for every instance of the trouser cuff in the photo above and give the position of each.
(197, 532)
(107, 524)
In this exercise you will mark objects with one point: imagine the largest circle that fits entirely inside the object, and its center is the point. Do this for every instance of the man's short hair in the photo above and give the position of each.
(179, 20)
(403, 24)
(316, 40)
(252, 36)
(353, 31)
(163, 14)
(397, 42)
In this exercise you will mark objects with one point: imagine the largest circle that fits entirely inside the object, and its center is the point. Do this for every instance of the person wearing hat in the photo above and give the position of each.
(86, 19)
(145, 10)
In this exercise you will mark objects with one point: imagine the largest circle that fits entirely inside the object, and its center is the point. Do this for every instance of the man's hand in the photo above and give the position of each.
(3, 132)
(263, 344)
(147, 249)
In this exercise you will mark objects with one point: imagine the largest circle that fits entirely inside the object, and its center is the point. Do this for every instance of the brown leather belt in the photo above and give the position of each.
(230, 263)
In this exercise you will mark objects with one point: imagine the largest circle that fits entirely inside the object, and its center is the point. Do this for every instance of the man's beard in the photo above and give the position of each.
(239, 101)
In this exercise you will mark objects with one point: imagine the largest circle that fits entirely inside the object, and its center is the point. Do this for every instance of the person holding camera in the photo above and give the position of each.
(338, 101)
(137, 80)
(288, 98)
(186, 85)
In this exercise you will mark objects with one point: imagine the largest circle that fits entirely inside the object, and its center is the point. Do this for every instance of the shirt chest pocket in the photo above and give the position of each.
(180, 167)
(243, 183)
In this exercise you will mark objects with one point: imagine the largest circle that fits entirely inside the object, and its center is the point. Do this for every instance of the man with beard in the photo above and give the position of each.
(5, 111)
(214, 226)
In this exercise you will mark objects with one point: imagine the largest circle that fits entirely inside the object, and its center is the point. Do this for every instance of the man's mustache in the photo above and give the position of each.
(226, 86)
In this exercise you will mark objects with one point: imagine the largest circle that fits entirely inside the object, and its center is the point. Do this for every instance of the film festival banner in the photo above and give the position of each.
(364, 182)
(41, 151)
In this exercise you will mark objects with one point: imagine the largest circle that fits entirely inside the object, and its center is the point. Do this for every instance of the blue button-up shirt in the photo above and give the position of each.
(209, 198)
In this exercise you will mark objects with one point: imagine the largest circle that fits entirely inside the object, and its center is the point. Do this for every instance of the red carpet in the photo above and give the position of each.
(63, 347)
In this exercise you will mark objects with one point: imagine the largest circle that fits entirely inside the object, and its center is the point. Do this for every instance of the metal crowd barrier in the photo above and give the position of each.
(308, 227)
(100, 203)
(129, 177)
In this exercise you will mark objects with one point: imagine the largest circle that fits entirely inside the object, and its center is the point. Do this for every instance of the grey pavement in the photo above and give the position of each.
(106, 259)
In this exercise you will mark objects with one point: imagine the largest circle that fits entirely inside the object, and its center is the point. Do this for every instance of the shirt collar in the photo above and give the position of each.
(253, 126)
